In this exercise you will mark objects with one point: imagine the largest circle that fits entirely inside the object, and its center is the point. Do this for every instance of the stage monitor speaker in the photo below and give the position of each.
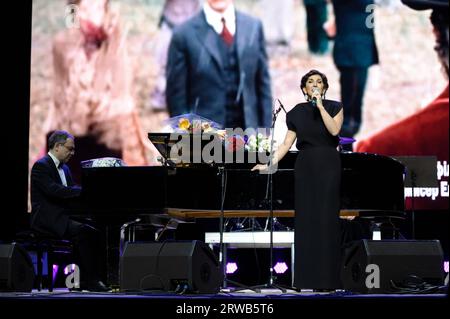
(170, 266)
(379, 266)
(16, 268)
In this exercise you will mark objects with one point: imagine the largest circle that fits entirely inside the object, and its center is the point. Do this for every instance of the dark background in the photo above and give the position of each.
(16, 26)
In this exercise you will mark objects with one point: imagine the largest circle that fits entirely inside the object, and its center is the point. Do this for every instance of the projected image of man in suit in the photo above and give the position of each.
(217, 67)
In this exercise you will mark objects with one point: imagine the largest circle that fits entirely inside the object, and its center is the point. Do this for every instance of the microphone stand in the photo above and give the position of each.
(271, 284)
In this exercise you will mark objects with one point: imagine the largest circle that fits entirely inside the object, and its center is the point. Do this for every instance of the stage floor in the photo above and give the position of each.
(63, 293)
(269, 303)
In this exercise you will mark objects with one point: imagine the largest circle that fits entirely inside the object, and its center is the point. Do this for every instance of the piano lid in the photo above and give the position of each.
(369, 182)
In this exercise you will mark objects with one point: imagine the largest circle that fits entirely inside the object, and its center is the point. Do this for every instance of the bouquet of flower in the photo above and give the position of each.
(192, 123)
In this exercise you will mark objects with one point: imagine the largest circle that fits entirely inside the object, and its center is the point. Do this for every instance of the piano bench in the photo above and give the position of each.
(40, 243)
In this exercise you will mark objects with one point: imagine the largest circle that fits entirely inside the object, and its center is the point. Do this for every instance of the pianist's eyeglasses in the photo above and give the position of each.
(70, 149)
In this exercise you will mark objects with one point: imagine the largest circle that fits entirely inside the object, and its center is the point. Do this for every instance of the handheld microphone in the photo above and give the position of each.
(314, 99)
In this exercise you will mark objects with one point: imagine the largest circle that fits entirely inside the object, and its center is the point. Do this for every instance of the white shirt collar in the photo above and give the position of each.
(214, 18)
(61, 173)
(54, 159)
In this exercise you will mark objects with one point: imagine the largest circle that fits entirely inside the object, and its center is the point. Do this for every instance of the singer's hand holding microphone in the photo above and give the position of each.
(316, 97)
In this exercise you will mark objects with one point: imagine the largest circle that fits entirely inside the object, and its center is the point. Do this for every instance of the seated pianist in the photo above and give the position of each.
(52, 188)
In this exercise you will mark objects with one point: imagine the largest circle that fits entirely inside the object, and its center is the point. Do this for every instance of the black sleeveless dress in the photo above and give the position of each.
(317, 198)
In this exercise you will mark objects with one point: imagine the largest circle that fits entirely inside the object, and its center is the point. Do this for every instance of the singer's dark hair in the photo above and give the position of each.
(311, 73)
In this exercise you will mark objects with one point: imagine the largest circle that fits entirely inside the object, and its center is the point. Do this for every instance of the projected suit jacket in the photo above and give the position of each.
(195, 71)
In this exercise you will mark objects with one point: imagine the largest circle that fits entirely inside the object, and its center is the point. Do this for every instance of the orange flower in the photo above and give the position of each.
(184, 124)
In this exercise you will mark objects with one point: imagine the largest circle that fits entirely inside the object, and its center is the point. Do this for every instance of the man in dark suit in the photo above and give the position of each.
(316, 16)
(52, 188)
(354, 52)
(217, 68)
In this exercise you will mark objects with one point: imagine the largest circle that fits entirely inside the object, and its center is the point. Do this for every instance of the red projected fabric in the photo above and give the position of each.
(424, 133)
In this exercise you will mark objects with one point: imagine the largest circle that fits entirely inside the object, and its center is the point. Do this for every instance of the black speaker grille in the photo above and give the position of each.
(397, 262)
(169, 264)
(16, 268)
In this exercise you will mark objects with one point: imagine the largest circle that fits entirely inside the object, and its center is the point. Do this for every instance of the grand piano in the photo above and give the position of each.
(371, 184)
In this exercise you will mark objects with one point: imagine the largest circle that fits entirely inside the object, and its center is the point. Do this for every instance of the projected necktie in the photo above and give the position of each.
(226, 34)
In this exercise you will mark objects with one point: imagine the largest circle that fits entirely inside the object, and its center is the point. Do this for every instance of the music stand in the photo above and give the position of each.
(420, 171)
(164, 143)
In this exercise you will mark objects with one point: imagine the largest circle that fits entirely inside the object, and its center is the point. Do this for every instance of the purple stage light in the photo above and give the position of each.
(55, 271)
(446, 266)
(231, 268)
(280, 267)
(71, 268)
